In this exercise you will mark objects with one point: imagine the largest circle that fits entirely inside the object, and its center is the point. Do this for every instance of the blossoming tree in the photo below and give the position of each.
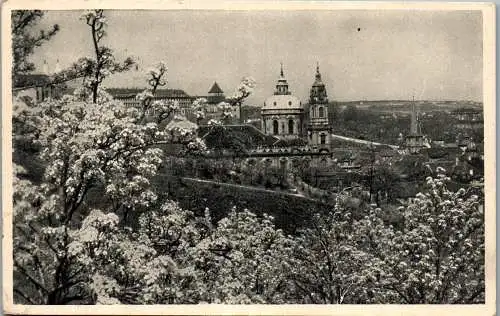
(98, 157)
(92, 228)
(438, 257)
(329, 267)
(243, 260)
(243, 91)
(24, 41)
(95, 70)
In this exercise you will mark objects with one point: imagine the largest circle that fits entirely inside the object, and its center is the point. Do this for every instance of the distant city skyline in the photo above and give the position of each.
(363, 55)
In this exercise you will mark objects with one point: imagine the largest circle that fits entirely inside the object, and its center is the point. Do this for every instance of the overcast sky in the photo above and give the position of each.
(363, 55)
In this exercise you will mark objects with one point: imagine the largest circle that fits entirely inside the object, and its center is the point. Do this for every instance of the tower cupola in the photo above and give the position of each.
(318, 90)
(282, 85)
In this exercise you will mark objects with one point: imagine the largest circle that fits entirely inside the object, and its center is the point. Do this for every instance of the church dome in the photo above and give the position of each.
(282, 98)
(282, 102)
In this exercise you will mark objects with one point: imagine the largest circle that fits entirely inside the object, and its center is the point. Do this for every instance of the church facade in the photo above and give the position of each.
(285, 117)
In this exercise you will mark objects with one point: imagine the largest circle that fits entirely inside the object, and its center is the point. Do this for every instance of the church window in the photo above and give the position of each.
(321, 111)
(323, 162)
(283, 163)
(322, 139)
(289, 102)
(274, 103)
(290, 126)
(275, 127)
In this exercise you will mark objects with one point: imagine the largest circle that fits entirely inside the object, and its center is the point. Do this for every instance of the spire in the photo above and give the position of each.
(318, 91)
(282, 85)
(317, 77)
(414, 128)
(318, 74)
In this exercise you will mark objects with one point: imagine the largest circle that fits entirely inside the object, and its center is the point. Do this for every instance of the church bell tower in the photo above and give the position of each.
(415, 140)
(318, 127)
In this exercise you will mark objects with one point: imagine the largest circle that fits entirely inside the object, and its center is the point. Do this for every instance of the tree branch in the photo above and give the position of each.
(26, 297)
(29, 277)
(23, 21)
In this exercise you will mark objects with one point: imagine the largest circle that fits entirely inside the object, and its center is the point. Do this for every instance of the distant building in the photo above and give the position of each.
(41, 86)
(212, 109)
(215, 94)
(185, 101)
(128, 97)
(283, 113)
(37, 87)
(214, 97)
(470, 149)
(468, 118)
(348, 164)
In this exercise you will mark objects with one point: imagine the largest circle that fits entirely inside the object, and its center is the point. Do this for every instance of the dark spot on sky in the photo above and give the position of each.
(359, 29)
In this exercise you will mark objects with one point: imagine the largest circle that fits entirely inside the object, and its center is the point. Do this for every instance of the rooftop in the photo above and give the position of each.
(257, 137)
(160, 93)
(466, 110)
(282, 102)
(215, 89)
(31, 80)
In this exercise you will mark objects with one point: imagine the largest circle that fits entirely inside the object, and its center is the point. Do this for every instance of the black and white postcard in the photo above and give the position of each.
(239, 158)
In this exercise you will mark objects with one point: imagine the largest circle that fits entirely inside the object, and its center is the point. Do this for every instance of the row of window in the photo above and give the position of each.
(276, 127)
(322, 138)
(321, 112)
(275, 103)
(291, 124)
